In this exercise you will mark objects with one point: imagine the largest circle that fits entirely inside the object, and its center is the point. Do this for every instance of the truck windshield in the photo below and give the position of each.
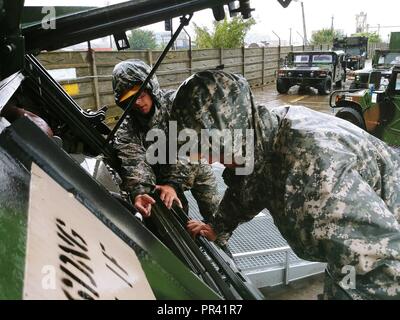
(300, 59)
(322, 58)
(390, 59)
(353, 51)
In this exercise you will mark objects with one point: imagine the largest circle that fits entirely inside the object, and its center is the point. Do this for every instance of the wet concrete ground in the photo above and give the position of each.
(305, 289)
(308, 98)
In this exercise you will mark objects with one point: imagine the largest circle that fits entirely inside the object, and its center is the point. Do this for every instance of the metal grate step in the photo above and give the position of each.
(259, 248)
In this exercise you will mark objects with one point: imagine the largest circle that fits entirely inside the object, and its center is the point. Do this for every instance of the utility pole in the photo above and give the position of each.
(332, 28)
(290, 37)
(304, 24)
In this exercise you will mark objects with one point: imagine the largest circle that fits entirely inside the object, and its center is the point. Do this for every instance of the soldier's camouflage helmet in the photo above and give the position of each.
(129, 73)
(213, 99)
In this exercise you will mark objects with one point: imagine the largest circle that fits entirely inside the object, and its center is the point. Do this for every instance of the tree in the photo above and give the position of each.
(225, 34)
(373, 37)
(325, 36)
(142, 39)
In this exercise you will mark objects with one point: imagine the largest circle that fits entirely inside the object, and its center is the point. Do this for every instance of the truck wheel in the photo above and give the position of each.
(282, 86)
(353, 116)
(325, 87)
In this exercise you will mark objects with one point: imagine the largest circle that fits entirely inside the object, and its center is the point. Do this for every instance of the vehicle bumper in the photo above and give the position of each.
(303, 81)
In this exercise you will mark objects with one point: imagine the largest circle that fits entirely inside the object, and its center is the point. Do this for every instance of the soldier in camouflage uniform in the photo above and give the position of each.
(152, 112)
(332, 189)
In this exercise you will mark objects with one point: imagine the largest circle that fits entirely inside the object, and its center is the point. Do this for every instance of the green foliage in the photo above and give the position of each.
(142, 39)
(225, 34)
(373, 37)
(325, 36)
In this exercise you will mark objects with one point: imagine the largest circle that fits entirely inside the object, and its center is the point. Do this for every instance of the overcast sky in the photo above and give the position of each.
(271, 16)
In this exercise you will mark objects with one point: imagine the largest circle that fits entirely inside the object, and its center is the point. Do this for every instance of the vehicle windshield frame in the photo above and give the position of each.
(311, 60)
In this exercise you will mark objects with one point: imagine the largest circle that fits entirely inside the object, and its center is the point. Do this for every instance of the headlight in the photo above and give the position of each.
(358, 78)
(289, 74)
(312, 74)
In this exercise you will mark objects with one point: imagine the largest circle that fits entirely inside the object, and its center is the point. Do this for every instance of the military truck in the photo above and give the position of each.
(355, 48)
(383, 61)
(377, 109)
(318, 69)
(66, 229)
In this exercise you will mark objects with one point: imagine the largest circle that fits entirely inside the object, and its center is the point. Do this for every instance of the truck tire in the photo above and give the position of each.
(282, 86)
(325, 87)
(352, 115)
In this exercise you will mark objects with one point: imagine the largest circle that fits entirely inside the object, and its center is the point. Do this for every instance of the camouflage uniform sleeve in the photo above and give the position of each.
(239, 205)
(334, 215)
(175, 175)
(199, 179)
(205, 191)
(137, 175)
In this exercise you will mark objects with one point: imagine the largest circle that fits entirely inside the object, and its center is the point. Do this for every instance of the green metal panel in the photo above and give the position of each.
(394, 41)
(167, 287)
(14, 196)
(391, 133)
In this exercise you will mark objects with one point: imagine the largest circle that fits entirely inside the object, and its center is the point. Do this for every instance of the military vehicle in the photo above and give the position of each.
(66, 230)
(377, 109)
(383, 61)
(355, 48)
(320, 70)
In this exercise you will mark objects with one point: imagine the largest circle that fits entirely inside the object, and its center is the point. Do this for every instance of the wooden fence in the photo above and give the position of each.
(91, 84)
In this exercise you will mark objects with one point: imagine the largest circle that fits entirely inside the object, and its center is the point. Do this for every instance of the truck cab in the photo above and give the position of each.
(375, 109)
(384, 60)
(318, 69)
(355, 49)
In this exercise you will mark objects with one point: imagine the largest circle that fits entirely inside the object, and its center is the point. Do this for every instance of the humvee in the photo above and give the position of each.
(312, 69)
(376, 109)
(383, 61)
(355, 48)
(66, 230)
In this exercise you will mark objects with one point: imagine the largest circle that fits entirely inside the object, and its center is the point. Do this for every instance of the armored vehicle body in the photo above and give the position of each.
(377, 109)
(320, 70)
